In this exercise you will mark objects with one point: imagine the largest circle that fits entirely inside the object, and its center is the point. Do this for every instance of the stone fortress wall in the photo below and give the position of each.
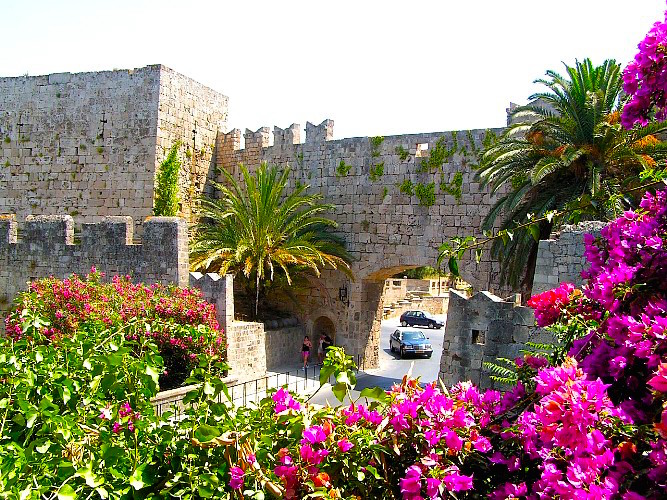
(47, 248)
(485, 327)
(481, 329)
(87, 144)
(386, 230)
(561, 257)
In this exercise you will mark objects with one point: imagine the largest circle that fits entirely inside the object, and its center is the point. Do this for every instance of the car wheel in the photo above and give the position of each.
(402, 353)
(431, 325)
(404, 323)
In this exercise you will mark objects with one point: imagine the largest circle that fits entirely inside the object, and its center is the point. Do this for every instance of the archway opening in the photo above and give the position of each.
(323, 327)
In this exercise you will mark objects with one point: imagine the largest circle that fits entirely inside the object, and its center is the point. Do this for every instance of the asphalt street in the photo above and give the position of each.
(392, 367)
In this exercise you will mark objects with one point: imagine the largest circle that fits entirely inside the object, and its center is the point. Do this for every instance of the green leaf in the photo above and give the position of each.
(373, 471)
(141, 477)
(534, 230)
(66, 493)
(152, 373)
(209, 390)
(361, 476)
(339, 390)
(89, 476)
(32, 416)
(206, 433)
(453, 266)
(375, 393)
(342, 378)
(43, 448)
(325, 373)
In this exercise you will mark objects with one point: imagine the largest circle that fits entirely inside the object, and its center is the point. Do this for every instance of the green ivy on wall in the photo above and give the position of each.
(343, 169)
(407, 187)
(377, 169)
(425, 193)
(454, 187)
(403, 154)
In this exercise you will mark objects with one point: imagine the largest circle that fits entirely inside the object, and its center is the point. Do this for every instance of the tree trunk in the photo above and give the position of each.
(257, 296)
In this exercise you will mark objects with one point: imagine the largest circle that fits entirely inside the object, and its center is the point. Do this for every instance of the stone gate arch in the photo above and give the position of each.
(323, 325)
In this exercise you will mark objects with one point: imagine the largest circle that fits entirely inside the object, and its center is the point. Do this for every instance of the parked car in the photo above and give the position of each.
(420, 318)
(410, 342)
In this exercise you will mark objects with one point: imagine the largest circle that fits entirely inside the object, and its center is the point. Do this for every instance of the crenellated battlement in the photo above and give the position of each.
(319, 133)
(257, 140)
(47, 247)
(286, 137)
(218, 290)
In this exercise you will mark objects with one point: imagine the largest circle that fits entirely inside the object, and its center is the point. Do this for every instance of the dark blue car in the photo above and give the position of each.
(420, 318)
(410, 342)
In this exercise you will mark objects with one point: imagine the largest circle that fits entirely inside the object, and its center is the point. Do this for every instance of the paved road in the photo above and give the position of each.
(392, 368)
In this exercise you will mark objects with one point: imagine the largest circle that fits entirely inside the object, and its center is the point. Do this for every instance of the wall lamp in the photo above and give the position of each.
(343, 295)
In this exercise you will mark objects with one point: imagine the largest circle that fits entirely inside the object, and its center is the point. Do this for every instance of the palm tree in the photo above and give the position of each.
(259, 228)
(565, 144)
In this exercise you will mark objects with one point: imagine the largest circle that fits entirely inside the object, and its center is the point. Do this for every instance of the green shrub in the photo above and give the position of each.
(181, 323)
(342, 169)
(166, 184)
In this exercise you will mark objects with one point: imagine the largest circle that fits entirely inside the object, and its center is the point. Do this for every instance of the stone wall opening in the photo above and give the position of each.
(323, 326)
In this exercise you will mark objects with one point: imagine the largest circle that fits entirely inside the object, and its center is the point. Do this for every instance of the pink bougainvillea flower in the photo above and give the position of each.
(284, 401)
(455, 481)
(411, 483)
(659, 380)
(313, 435)
(344, 445)
(236, 481)
(550, 304)
(433, 487)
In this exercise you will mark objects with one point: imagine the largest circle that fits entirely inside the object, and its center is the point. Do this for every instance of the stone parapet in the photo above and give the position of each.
(481, 329)
(561, 257)
(47, 248)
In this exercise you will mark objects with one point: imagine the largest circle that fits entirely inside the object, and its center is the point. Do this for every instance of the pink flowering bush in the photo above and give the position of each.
(645, 79)
(592, 426)
(181, 323)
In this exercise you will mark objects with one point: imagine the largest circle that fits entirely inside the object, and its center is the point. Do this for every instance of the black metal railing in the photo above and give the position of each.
(241, 393)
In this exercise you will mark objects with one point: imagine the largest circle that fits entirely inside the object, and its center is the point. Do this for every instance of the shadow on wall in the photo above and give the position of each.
(323, 326)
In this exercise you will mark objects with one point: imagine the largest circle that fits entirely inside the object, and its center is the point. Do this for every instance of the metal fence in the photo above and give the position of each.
(298, 381)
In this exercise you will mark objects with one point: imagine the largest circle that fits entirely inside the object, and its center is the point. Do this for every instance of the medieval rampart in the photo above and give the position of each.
(395, 198)
(47, 248)
(561, 258)
(88, 144)
(481, 329)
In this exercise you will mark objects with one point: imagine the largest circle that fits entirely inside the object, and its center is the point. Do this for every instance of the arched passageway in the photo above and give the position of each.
(323, 326)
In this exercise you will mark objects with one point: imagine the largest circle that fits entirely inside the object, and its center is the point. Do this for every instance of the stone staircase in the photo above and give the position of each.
(412, 300)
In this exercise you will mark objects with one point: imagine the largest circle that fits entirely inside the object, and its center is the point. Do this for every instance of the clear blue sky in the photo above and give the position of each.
(375, 68)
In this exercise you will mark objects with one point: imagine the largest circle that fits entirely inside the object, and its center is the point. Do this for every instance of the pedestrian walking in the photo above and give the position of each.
(320, 349)
(305, 351)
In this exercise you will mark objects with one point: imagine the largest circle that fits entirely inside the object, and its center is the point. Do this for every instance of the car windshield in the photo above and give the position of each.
(429, 316)
(413, 336)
